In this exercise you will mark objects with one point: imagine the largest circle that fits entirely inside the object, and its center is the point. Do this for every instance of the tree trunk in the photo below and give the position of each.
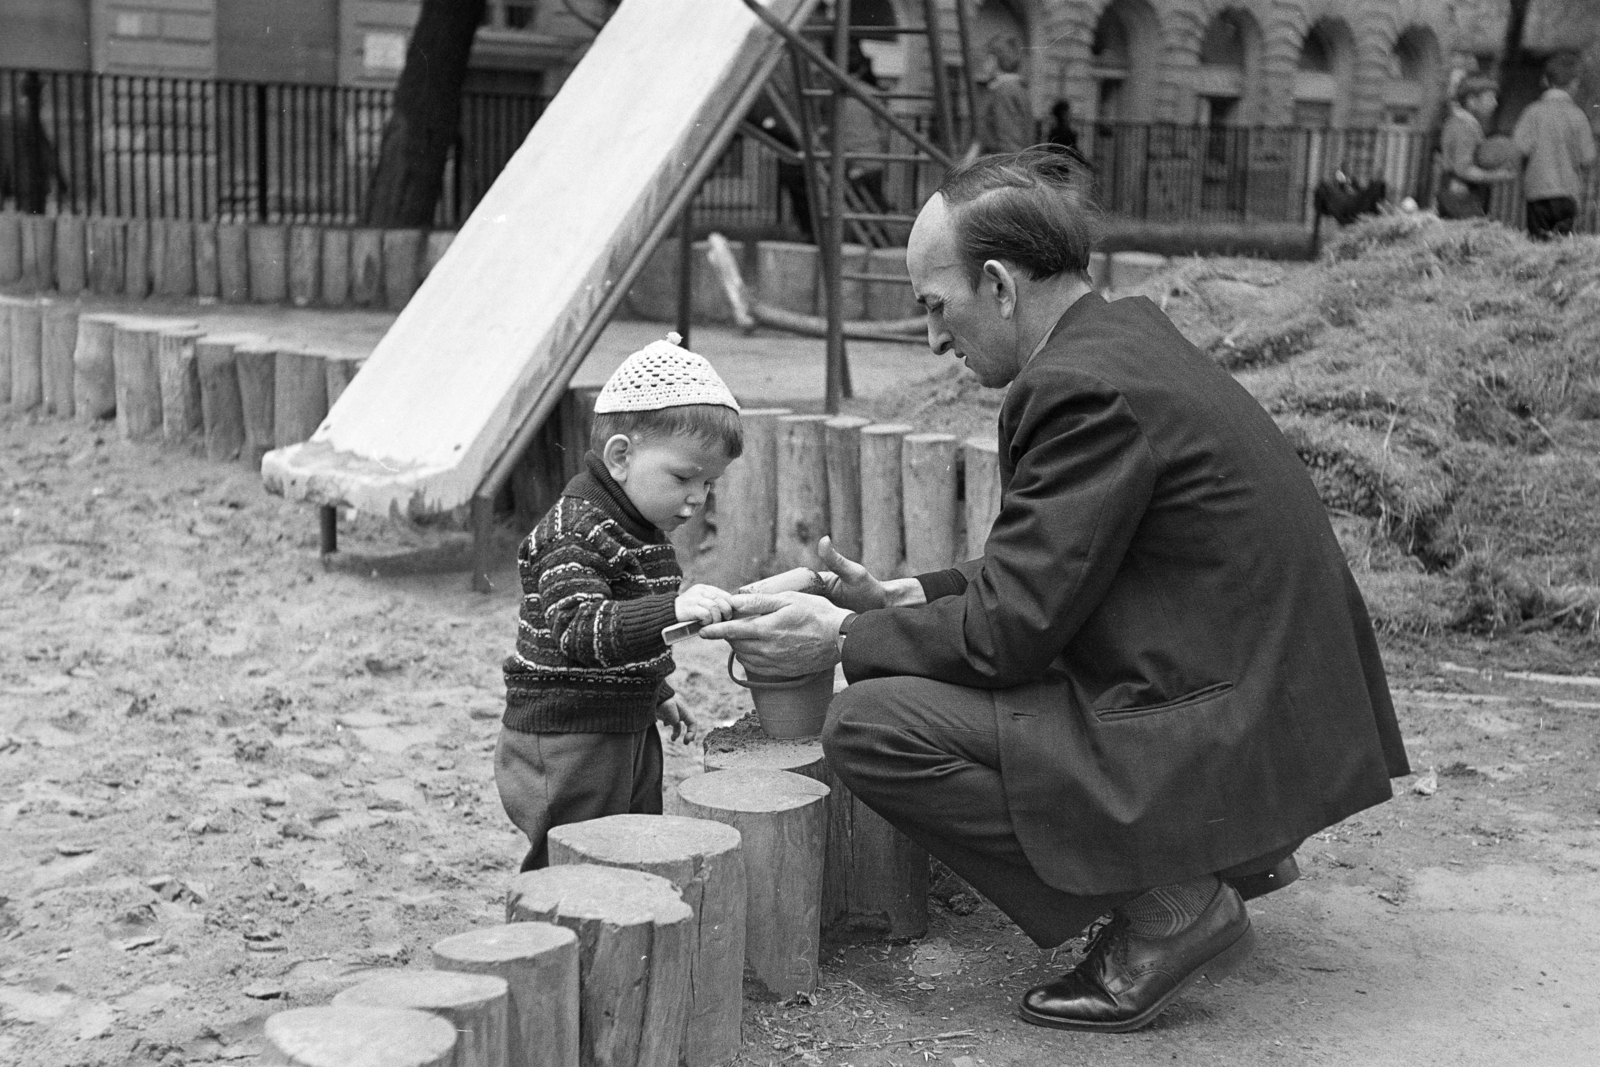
(1511, 47)
(427, 107)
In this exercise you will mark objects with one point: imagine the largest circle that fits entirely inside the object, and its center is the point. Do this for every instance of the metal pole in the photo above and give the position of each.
(261, 151)
(964, 31)
(685, 271)
(328, 521)
(833, 387)
(941, 88)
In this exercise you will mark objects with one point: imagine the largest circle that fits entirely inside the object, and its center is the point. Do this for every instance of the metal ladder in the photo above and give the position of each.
(812, 98)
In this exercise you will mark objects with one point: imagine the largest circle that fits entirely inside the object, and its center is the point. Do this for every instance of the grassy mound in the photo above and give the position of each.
(1441, 380)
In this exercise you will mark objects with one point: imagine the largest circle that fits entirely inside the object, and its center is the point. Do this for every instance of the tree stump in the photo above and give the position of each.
(173, 257)
(27, 355)
(268, 249)
(782, 823)
(205, 261)
(181, 413)
(928, 482)
(438, 245)
(138, 378)
(10, 247)
(136, 260)
(802, 489)
(882, 507)
(6, 304)
(402, 266)
(539, 962)
(747, 502)
(94, 376)
(107, 246)
(702, 859)
(60, 340)
(340, 372)
(221, 410)
(255, 362)
(305, 265)
(72, 255)
(983, 491)
(366, 267)
(300, 384)
(335, 267)
(352, 1036)
(860, 889)
(39, 252)
(843, 448)
(233, 263)
(474, 1004)
(637, 936)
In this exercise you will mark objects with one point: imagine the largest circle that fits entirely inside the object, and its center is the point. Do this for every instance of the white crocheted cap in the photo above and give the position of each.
(662, 375)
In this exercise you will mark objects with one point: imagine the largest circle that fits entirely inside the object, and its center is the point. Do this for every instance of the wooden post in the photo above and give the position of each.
(205, 262)
(746, 502)
(255, 362)
(233, 263)
(983, 491)
(474, 1004)
(221, 410)
(94, 378)
(366, 267)
(438, 245)
(340, 372)
(181, 411)
(802, 489)
(782, 824)
(107, 242)
(335, 267)
(637, 937)
(39, 252)
(539, 963)
(300, 384)
(402, 266)
(27, 355)
(703, 861)
(72, 263)
(136, 259)
(305, 265)
(60, 339)
(6, 304)
(175, 267)
(346, 1035)
(268, 245)
(10, 247)
(882, 511)
(928, 480)
(138, 378)
(844, 483)
(874, 877)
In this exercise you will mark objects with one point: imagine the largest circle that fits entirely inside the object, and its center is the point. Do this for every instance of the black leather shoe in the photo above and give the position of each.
(1125, 980)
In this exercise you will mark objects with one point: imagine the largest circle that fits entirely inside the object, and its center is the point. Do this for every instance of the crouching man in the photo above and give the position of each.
(1160, 676)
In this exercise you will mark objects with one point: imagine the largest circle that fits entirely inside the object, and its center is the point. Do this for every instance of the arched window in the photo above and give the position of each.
(1230, 55)
(1322, 80)
(1125, 56)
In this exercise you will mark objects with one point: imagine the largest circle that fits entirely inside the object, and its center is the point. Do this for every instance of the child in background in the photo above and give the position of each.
(588, 680)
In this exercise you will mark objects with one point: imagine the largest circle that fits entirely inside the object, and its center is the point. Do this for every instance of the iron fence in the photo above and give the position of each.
(187, 148)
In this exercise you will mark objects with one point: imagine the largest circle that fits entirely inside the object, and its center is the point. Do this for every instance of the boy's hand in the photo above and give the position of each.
(704, 603)
(672, 712)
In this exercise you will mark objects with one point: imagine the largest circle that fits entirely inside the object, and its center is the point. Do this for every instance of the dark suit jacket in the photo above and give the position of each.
(1184, 672)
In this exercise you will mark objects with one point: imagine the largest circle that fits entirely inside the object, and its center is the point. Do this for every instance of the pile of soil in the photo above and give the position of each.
(1441, 380)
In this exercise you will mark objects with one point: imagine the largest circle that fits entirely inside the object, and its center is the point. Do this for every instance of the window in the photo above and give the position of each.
(1223, 45)
(511, 14)
(1316, 55)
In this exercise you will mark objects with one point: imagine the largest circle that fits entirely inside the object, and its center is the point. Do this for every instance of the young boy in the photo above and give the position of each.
(588, 679)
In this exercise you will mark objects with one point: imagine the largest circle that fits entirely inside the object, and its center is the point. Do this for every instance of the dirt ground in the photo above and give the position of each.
(232, 781)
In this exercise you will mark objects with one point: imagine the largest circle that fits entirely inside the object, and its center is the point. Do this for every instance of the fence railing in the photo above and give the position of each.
(182, 148)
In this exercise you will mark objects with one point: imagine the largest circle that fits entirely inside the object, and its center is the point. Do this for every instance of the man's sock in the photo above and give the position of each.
(1169, 909)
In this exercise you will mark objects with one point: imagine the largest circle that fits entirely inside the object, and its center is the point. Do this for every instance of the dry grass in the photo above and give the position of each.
(1442, 383)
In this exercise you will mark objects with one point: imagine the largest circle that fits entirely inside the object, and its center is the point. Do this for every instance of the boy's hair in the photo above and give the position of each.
(1561, 69)
(711, 424)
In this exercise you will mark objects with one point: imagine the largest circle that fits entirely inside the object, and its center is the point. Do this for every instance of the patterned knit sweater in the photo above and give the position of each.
(599, 582)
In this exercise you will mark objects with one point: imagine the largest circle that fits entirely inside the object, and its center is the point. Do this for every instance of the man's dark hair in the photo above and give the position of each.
(1472, 85)
(711, 424)
(1031, 208)
(1562, 69)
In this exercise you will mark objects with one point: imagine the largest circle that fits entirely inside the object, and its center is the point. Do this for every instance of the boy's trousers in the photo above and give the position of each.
(550, 780)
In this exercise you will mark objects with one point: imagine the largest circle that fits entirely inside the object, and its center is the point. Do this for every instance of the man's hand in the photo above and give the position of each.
(850, 585)
(782, 635)
(672, 712)
(703, 603)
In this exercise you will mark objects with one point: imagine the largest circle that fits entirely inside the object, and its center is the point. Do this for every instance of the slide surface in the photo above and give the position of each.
(505, 318)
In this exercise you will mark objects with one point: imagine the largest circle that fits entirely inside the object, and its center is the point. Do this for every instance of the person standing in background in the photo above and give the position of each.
(1061, 131)
(1558, 150)
(1005, 115)
(1463, 185)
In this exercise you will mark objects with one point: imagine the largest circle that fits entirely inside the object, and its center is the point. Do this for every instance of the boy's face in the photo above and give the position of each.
(666, 478)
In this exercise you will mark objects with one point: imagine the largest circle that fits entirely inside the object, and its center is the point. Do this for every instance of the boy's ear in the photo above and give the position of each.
(616, 454)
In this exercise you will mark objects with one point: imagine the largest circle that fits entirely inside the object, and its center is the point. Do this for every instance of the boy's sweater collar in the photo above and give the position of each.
(596, 485)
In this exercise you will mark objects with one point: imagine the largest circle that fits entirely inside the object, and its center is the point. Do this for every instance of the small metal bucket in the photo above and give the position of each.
(788, 707)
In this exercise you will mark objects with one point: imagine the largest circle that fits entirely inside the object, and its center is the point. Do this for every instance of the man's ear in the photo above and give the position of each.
(618, 455)
(1000, 283)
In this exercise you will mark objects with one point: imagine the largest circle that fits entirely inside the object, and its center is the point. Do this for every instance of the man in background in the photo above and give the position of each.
(1557, 145)
(1463, 185)
(1005, 116)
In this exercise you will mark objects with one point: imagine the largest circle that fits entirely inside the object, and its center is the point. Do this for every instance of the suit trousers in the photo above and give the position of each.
(926, 756)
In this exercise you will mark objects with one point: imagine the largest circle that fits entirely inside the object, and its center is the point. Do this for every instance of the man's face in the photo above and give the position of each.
(974, 325)
(1482, 104)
